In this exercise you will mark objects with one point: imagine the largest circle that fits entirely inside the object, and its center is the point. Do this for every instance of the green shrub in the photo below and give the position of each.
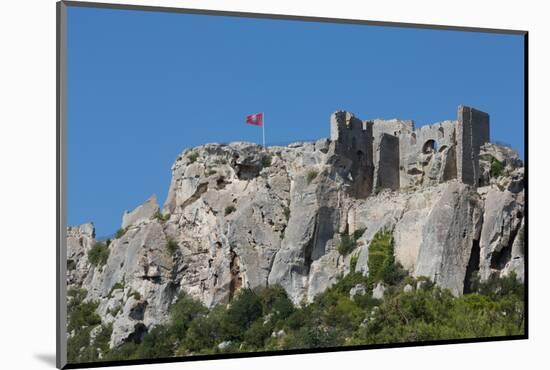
(311, 337)
(103, 337)
(159, 216)
(127, 351)
(275, 302)
(183, 312)
(81, 320)
(201, 334)
(498, 287)
(366, 302)
(381, 263)
(343, 314)
(78, 346)
(156, 344)
(192, 156)
(257, 334)
(120, 232)
(245, 309)
(172, 246)
(347, 244)
(497, 168)
(74, 298)
(135, 294)
(266, 161)
(358, 233)
(435, 314)
(118, 285)
(229, 210)
(210, 172)
(83, 315)
(311, 175)
(332, 319)
(297, 319)
(98, 254)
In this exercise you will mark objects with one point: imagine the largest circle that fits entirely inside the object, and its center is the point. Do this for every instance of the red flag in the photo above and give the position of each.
(255, 119)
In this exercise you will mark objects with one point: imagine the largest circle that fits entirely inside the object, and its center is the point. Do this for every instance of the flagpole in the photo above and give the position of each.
(263, 130)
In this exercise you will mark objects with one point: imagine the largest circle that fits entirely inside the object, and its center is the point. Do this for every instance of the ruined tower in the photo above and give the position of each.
(392, 154)
(352, 139)
(472, 132)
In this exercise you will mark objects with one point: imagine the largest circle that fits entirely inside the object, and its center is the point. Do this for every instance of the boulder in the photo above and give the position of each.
(224, 345)
(408, 288)
(378, 291)
(358, 289)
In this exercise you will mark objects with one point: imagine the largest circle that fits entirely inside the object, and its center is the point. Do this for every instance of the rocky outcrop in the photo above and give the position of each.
(141, 214)
(80, 239)
(240, 216)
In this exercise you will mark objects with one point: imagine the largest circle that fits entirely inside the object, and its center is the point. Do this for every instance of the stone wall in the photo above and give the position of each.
(472, 133)
(426, 156)
(352, 139)
(386, 163)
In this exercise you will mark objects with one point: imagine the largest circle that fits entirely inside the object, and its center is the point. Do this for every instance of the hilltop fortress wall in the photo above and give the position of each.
(394, 154)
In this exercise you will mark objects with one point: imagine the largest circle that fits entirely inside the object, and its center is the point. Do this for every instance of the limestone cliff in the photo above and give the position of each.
(238, 215)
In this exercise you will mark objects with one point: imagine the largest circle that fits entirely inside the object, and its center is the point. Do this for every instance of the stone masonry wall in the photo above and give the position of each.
(352, 139)
(386, 157)
(393, 154)
(472, 132)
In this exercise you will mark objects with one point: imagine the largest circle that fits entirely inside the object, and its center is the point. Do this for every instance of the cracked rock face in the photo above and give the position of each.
(240, 216)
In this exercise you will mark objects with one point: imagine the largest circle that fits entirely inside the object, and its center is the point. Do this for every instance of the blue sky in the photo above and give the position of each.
(143, 86)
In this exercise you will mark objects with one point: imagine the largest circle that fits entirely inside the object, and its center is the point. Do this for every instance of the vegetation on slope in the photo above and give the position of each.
(82, 345)
(98, 254)
(266, 320)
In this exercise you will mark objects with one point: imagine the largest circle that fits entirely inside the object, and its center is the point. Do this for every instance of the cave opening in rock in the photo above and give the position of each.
(473, 267)
(139, 332)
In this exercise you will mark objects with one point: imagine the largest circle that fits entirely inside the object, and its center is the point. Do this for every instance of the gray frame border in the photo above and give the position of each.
(61, 172)
(61, 186)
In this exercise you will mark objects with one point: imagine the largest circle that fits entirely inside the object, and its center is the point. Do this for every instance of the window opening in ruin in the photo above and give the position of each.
(413, 139)
(429, 147)
(440, 133)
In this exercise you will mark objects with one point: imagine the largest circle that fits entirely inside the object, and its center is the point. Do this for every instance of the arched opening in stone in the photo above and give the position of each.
(413, 139)
(440, 133)
(443, 148)
(429, 147)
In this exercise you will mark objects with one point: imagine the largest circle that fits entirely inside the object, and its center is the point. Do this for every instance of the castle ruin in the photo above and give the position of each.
(393, 154)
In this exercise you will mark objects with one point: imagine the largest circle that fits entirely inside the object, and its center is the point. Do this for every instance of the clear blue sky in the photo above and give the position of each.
(143, 86)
